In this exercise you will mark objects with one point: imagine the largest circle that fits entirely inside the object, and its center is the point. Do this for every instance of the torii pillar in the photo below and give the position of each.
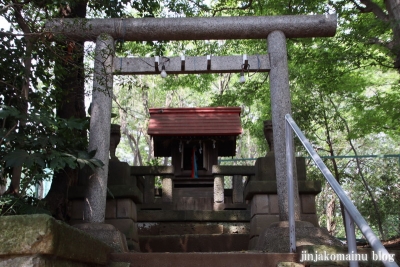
(275, 28)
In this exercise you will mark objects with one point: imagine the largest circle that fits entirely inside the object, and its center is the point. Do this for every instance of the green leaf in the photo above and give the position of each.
(16, 158)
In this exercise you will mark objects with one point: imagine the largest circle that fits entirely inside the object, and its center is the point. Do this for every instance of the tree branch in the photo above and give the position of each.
(248, 5)
(371, 7)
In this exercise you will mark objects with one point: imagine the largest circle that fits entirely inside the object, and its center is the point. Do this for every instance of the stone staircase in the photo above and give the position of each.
(225, 259)
(193, 231)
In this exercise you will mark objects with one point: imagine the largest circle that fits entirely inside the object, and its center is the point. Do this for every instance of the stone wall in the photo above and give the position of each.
(40, 240)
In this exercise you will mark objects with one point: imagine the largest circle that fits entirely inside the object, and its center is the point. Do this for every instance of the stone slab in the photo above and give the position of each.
(39, 261)
(273, 204)
(42, 234)
(172, 228)
(133, 245)
(259, 222)
(193, 215)
(126, 209)
(231, 259)
(308, 204)
(111, 209)
(106, 233)
(114, 191)
(312, 218)
(269, 187)
(233, 170)
(194, 243)
(259, 205)
(253, 243)
(127, 226)
(152, 170)
(289, 264)
(276, 237)
(265, 169)
(119, 173)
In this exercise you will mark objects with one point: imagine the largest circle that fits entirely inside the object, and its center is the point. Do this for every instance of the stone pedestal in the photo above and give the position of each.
(261, 192)
(275, 238)
(121, 211)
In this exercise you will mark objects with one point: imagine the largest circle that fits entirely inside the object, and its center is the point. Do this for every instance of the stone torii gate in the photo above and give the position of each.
(104, 31)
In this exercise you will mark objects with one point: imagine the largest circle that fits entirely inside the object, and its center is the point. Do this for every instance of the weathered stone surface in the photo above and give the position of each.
(289, 264)
(259, 205)
(111, 208)
(167, 188)
(152, 170)
(273, 204)
(127, 226)
(194, 243)
(253, 242)
(265, 169)
(233, 170)
(188, 215)
(269, 187)
(76, 209)
(238, 187)
(218, 189)
(276, 237)
(259, 222)
(119, 264)
(172, 228)
(115, 191)
(301, 168)
(133, 245)
(106, 233)
(119, 173)
(311, 218)
(149, 29)
(39, 261)
(123, 191)
(308, 204)
(126, 209)
(223, 259)
(42, 234)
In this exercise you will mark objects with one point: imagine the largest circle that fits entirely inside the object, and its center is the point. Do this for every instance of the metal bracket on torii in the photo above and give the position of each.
(104, 31)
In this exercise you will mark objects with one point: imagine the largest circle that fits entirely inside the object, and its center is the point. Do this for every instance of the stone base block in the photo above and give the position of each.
(253, 243)
(39, 261)
(259, 222)
(107, 233)
(259, 205)
(31, 236)
(276, 237)
(127, 226)
(312, 218)
(126, 209)
(133, 245)
(123, 208)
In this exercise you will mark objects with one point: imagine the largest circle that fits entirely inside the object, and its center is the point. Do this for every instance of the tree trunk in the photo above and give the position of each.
(70, 82)
(393, 8)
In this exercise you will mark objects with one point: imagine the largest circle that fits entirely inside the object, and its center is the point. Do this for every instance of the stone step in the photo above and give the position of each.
(227, 259)
(194, 243)
(176, 228)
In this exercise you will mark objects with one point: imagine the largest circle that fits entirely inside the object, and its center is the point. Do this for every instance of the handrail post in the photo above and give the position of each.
(289, 168)
(350, 236)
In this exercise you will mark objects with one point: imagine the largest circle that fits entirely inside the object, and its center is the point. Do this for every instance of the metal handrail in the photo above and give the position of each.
(352, 211)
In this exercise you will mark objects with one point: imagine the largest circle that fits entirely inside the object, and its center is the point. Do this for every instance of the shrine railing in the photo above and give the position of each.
(352, 215)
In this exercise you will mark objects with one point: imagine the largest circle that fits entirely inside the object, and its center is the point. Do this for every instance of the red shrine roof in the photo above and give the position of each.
(195, 121)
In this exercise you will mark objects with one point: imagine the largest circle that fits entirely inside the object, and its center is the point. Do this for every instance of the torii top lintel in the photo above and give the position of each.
(213, 28)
